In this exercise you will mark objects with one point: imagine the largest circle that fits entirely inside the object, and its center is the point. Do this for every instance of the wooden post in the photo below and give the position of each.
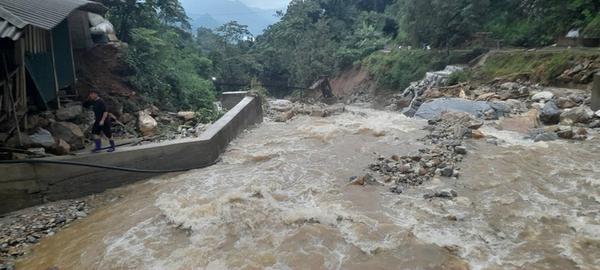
(21, 79)
(54, 68)
(595, 105)
(12, 100)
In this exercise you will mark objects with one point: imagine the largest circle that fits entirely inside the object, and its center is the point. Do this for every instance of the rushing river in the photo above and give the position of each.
(280, 199)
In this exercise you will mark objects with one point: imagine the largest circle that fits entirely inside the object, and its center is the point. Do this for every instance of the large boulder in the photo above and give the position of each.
(564, 103)
(432, 110)
(147, 124)
(281, 105)
(546, 96)
(577, 115)
(516, 105)
(69, 113)
(42, 138)
(550, 114)
(186, 115)
(60, 147)
(14, 142)
(522, 123)
(68, 132)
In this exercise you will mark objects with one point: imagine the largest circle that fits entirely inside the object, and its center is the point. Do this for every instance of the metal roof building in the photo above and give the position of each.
(46, 14)
(36, 54)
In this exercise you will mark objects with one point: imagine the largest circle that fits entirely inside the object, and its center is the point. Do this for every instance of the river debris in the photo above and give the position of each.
(281, 110)
(20, 230)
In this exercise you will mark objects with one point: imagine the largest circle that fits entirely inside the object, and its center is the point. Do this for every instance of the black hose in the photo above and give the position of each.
(73, 163)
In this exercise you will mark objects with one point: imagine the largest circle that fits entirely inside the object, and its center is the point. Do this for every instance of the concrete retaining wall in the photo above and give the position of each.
(25, 185)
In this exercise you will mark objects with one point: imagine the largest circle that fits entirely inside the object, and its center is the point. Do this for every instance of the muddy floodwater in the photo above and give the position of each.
(280, 199)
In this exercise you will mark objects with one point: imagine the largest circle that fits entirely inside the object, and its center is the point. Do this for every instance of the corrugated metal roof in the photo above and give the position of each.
(45, 14)
(8, 30)
(10, 24)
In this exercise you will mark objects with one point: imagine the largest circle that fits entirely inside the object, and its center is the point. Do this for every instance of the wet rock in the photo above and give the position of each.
(594, 124)
(521, 123)
(546, 137)
(462, 201)
(69, 113)
(580, 137)
(285, 116)
(460, 150)
(474, 124)
(516, 105)
(334, 109)
(318, 113)
(460, 131)
(42, 138)
(447, 172)
(545, 95)
(445, 194)
(476, 134)
(515, 93)
(581, 131)
(68, 132)
(550, 114)
(31, 239)
(452, 217)
(565, 103)
(396, 189)
(281, 105)
(577, 115)
(370, 180)
(565, 134)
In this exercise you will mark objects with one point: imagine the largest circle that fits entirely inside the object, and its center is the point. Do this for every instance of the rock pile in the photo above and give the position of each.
(21, 230)
(68, 129)
(284, 110)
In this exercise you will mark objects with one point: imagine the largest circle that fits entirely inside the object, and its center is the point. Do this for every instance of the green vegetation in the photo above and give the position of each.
(175, 69)
(399, 68)
(548, 65)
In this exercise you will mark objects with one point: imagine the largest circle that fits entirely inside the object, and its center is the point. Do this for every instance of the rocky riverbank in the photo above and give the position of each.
(21, 230)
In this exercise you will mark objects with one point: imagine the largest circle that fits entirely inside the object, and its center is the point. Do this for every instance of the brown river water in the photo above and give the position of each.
(280, 199)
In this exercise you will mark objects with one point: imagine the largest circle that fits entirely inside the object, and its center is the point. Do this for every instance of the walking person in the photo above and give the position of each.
(101, 120)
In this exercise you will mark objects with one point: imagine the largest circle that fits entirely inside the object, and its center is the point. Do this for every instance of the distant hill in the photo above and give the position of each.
(214, 13)
(207, 21)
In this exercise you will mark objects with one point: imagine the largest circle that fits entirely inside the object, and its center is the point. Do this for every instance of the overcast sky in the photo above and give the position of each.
(266, 4)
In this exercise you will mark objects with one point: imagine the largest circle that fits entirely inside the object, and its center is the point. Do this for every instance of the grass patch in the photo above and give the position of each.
(547, 65)
(398, 69)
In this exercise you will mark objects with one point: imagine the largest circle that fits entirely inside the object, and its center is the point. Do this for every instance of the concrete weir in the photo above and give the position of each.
(23, 185)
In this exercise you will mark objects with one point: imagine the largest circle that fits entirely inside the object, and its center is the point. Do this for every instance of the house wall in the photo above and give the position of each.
(79, 27)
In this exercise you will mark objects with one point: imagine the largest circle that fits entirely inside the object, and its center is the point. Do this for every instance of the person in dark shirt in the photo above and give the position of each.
(101, 122)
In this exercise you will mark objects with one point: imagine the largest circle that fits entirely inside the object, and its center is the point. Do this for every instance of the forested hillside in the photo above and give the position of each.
(175, 65)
